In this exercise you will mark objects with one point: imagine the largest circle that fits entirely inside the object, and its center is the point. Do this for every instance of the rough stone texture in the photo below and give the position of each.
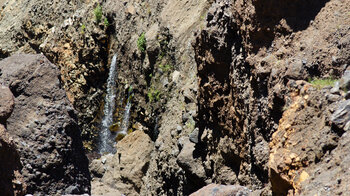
(222, 190)
(11, 180)
(257, 116)
(125, 170)
(67, 33)
(7, 103)
(235, 93)
(43, 126)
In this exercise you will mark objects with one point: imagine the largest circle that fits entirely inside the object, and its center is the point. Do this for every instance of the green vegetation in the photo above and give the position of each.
(105, 22)
(153, 94)
(141, 42)
(165, 67)
(98, 13)
(321, 83)
(83, 27)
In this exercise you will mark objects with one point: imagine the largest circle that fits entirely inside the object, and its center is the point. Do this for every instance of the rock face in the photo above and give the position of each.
(259, 120)
(11, 180)
(223, 92)
(43, 126)
(124, 171)
(67, 33)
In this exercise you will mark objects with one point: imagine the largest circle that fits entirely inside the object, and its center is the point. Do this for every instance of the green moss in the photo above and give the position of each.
(321, 83)
(98, 13)
(141, 42)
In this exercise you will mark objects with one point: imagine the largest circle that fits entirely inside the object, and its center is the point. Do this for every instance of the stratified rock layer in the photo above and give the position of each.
(43, 126)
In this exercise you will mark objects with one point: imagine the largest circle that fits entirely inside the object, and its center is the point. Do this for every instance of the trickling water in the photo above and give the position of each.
(125, 123)
(107, 142)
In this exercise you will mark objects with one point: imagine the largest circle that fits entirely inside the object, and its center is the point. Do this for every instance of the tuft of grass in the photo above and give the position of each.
(321, 83)
(98, 13)
(141, 42)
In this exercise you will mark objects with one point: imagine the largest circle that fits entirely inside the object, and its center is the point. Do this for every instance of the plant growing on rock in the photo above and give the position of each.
(141, 42)
(321, 83)
(165, 67)
(98, 13)
(83, 27)
(105, 22)
(153, 94)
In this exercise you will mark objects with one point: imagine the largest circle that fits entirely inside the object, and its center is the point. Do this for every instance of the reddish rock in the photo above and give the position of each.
(7, 103)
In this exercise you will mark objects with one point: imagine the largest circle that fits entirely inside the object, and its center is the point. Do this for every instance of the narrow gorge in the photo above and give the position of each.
(183, 97)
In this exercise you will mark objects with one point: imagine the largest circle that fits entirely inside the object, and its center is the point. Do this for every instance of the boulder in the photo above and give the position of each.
(7, 103)
(341, 117)
(124, 171)
(43, 126)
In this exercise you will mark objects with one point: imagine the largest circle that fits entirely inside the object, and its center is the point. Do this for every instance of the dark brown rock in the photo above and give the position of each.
(7, 103)
(11, 181)
(43, 126)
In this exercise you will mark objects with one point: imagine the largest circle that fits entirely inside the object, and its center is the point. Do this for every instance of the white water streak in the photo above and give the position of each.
(107, 142)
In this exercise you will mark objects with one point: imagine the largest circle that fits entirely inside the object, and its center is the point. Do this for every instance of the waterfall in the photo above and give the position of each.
(125, 123)
(106, 144)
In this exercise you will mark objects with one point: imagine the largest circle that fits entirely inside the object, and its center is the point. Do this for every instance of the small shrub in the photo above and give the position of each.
(321, 83)
(153, 94)
(105, 22)
(165, 67)
(141, 42)
(98, 13)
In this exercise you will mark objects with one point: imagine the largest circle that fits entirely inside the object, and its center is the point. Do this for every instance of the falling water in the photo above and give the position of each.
(106, 138)
(125, 123)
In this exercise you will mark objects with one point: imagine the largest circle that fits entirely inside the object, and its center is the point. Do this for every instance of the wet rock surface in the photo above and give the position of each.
(43, 127)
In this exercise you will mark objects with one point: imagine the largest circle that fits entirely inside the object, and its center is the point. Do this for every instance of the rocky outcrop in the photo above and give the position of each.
(11, 180)
(43, 126)
(124, 171)
(224, 91)
(67, 33)
(258, 117)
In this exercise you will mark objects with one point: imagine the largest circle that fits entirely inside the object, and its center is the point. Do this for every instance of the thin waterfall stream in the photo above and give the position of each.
(109, 138)
(106, 144)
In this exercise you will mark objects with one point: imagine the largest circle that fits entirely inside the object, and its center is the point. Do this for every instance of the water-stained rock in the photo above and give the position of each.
(43, 126)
